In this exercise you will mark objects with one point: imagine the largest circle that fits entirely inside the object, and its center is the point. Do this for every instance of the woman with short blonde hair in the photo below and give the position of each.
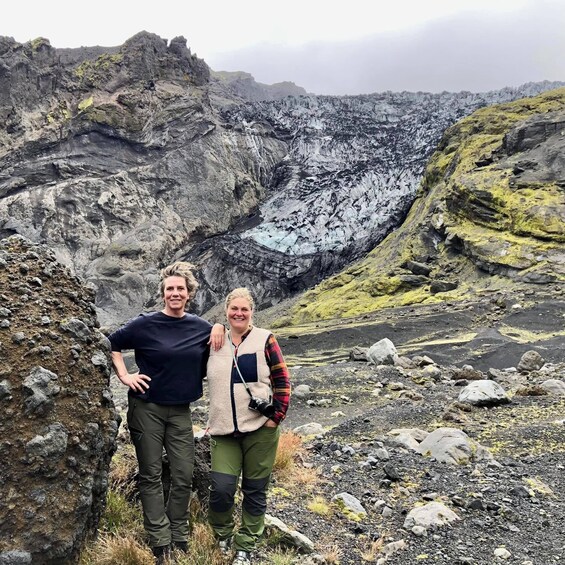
(180, 269)
(171, 349)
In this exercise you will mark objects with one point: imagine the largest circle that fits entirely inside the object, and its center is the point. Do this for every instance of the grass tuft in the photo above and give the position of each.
(373, 551)
(111, 549)
(120, 515)
(289, 468)
(319, 506)
(290, 447)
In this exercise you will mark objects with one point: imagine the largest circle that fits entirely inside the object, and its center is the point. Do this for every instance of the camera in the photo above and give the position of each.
(262, 406)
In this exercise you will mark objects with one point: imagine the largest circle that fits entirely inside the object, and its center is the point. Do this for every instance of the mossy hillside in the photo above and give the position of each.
(521, 335)
(503, 230)
(535, 210)
(114, 116)
(504, 248)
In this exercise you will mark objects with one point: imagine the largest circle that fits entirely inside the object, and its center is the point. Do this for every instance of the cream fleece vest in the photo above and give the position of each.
(229, 411)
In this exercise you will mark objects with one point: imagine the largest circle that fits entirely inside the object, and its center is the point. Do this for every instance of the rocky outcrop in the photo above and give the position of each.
(350, 175)
(123, 159)
(244, 87)
(124, 165)
(59, 424)
(491, 203)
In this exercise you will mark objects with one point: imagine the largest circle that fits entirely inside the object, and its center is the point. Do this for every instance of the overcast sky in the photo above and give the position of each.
(346, 47)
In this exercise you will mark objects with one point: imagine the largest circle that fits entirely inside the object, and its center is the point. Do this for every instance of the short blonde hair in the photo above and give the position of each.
(241, 292)
(180, 269)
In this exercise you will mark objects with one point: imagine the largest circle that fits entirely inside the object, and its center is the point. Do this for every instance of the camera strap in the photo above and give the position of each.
(237, 366)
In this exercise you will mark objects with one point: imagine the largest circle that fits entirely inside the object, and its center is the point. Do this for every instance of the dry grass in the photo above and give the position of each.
(290, 447)
(202, 548)
(373, 551)
(331, 551)
(121, 538)
(123, 470)
(289, 467)
(282, 558)
(112, 549)
(121, 548)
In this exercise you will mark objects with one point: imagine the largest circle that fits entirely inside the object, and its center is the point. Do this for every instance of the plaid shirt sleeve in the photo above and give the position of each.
(280, 379)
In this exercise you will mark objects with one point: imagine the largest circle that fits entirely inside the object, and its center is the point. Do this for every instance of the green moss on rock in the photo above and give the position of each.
(470, 216)
(93, 74)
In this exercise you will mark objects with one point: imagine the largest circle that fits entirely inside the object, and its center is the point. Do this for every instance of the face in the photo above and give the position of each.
(175, 295)
(239, 314)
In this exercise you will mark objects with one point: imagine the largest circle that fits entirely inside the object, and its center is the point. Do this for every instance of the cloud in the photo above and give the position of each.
(473, 52)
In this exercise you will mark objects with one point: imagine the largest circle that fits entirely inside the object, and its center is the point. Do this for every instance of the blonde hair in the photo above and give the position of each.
(180, 269)
(241, 292)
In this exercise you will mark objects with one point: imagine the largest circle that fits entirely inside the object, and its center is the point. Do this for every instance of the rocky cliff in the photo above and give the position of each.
(122, 159)
(490, 214)
(118, 161)
(243, 86)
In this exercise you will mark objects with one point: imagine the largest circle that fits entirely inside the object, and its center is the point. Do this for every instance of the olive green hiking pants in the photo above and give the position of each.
(251, 455)
(152, 428)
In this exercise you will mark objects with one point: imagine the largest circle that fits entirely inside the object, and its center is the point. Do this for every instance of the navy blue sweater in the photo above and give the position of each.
(172, 351)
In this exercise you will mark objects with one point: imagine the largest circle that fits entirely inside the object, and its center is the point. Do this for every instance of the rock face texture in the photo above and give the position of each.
(490, 213)
(58, 424)
(123, 159)
(118, 160)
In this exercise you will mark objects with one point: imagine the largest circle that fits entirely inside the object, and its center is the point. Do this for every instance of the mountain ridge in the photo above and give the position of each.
(123, 159)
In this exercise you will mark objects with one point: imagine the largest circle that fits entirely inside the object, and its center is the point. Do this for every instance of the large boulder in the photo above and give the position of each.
(453, 446)
(59, 424)
(530, 361)
(430, 516)
(382, 352)
(484, 393)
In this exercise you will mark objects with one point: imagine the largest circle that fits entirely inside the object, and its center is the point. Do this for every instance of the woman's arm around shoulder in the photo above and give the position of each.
(217, 336)
(280, 378)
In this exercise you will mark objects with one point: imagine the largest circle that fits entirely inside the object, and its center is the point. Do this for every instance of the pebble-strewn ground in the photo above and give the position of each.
(516, 505)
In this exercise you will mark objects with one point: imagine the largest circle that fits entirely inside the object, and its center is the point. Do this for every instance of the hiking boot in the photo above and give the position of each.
(225, 545)
(242, 558)
(162, 554)
(180, 546)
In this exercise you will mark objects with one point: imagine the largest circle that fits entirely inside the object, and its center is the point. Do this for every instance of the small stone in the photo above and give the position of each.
(18, 338)
(419, 531)
(387, 512)
(502, 553)
(391, 472)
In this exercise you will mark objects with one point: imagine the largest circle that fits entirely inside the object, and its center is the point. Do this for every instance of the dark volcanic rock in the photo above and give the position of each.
(58, 426)
(503, 501)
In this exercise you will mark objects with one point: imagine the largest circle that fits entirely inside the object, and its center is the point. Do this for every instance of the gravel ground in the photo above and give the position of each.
(514, 506)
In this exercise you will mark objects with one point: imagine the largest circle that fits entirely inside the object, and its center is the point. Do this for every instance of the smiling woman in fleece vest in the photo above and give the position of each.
(249, 396)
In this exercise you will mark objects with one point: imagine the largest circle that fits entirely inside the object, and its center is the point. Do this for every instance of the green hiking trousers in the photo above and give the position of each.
(251, 455)
(152, 428)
